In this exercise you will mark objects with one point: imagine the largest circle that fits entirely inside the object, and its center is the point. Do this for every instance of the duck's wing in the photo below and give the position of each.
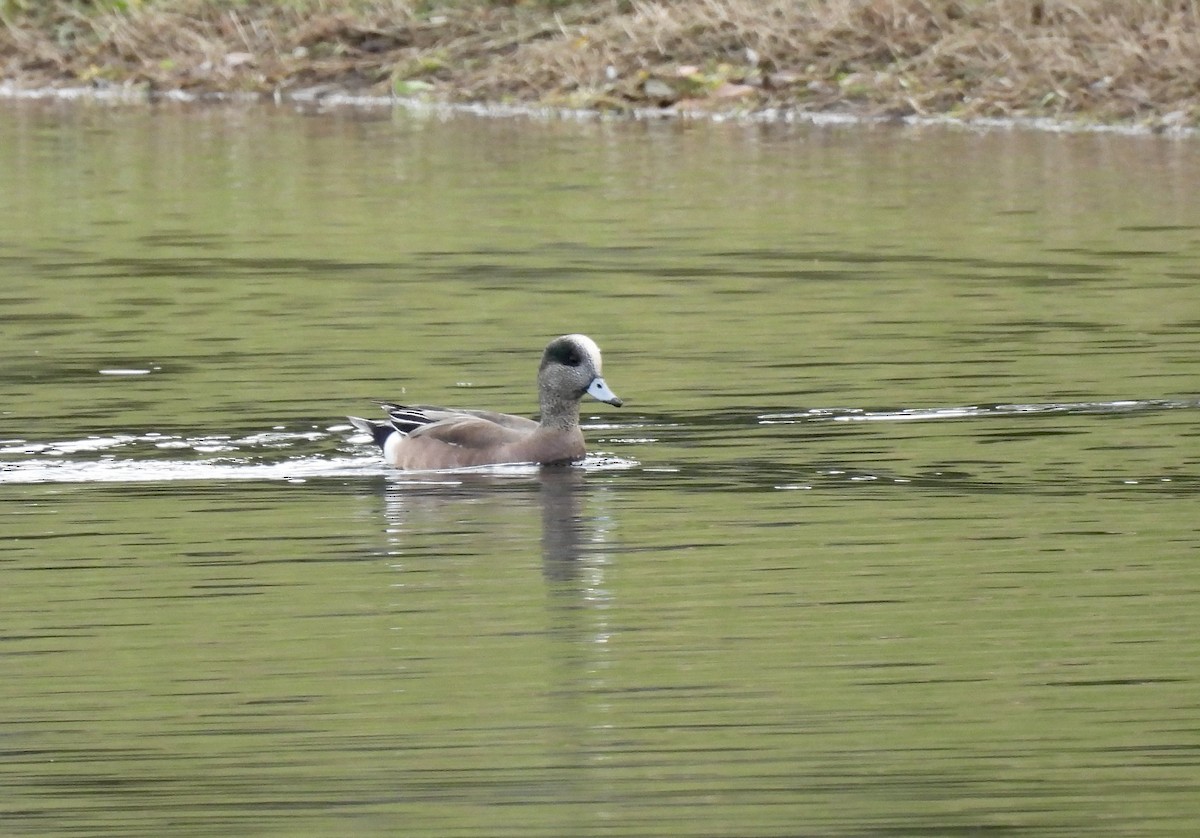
(468, 432)
(409, 418)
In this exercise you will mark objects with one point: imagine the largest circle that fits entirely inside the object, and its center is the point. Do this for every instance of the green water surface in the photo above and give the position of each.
(896, 534)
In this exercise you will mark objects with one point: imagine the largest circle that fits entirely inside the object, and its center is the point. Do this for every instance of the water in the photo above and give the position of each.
(896, 533)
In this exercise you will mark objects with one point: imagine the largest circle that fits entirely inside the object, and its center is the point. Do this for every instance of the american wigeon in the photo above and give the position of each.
(424, 437)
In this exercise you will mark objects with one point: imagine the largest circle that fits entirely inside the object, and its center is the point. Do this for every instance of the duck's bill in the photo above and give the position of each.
(599, 390)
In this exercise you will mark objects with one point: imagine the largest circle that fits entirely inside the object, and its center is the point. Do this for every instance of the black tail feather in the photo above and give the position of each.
(379, 431)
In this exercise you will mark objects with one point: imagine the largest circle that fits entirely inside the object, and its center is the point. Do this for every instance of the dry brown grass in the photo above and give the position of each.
(1104, 60)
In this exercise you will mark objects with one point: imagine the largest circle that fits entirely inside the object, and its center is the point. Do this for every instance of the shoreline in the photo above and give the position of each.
(340, 101)
(1077, 66)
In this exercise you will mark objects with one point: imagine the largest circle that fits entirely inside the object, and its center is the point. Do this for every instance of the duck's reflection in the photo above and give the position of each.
(476, 519)
(563, 526)
(577, 535)
(485, 516)
(431, 512)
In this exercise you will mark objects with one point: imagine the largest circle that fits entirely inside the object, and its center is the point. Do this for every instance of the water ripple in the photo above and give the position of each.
(839, 414)
(267, 455)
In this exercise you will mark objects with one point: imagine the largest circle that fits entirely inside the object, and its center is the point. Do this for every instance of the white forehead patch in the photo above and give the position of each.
(589, 346)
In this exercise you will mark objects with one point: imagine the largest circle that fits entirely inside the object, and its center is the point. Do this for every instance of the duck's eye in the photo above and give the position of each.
(573, 359)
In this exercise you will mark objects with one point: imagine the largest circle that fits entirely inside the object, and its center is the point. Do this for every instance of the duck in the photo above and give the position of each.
(424, 437)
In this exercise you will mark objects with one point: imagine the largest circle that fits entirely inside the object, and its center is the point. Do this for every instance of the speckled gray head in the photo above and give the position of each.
(576, 359)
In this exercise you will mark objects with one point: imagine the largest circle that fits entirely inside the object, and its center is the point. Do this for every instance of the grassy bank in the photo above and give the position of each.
(1091, 60)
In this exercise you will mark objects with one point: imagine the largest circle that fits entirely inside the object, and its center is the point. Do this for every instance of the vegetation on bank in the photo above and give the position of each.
(1092, 60)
